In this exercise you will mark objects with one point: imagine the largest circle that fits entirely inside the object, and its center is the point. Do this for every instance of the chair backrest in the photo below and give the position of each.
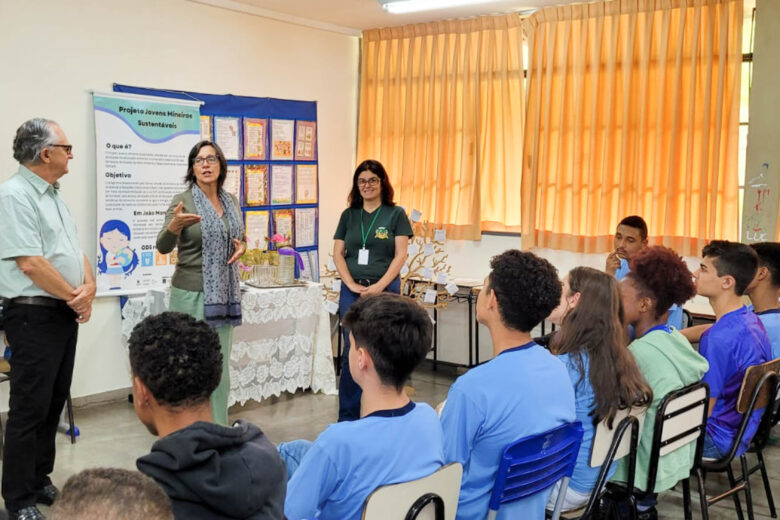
(602, 440)
(687, 319)
(757, 392)
(611, 444)
(535, 463)
(768, 421)
(680, 420)
(410, 500)
(753, 375)
(768, 397)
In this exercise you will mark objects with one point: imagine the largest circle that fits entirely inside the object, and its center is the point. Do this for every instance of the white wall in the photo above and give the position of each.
(54, 53)
(759, 214)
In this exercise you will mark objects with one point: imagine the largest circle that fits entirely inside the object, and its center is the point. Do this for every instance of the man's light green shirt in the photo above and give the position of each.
(35, 222)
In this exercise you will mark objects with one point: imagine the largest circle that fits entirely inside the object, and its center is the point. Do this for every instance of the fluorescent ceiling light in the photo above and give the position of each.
(411, 6)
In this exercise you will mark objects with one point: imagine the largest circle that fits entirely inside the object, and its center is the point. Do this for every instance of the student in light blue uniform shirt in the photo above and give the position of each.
(736, 341)
(630, 238)
(395, 440)
(592, 344)
(764, 290)
(524, 390)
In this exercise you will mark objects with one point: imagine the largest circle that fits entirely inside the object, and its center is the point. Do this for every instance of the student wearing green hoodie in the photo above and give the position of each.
(658, 279)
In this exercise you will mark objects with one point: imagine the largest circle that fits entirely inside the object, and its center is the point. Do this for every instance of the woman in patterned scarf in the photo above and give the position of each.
(205, 223)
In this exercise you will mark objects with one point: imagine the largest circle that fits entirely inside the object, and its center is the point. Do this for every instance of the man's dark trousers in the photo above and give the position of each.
(43, 348)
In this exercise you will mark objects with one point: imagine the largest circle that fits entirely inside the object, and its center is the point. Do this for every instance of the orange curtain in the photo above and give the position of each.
(633, 108)
(441, 106)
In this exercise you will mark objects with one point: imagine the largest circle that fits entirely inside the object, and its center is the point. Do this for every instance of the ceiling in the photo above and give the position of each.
(353, 16)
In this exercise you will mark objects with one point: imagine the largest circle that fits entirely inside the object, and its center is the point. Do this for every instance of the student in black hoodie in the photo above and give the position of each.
(209, 471)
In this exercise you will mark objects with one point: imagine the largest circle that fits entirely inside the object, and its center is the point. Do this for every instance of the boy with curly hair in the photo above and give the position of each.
(209, 471)
(508, 397)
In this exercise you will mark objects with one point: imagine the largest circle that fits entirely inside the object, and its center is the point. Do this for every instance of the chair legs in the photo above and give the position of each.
(733, 483)
(748, 495)
(769, 498)
(686, 485)
(72, 430)
(705, 513)
(69, 404)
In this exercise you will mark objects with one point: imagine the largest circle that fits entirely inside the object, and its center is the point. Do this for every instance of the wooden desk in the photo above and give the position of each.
(700, 308)
(468, 291)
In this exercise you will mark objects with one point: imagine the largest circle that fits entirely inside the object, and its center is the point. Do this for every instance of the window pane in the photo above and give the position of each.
(744, 94)
(743, 134)
(747, 25)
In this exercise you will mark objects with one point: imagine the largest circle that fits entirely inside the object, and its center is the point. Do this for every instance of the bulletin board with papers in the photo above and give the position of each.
(271, 149)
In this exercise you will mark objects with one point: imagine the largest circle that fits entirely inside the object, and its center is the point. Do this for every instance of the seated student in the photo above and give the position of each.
(111, 494)
(736, 341)
(395, 440)
(591, 342)
(659, 278)
(763, 292)
(209, 471)
(510, 396)
(765, 289)
(630, 239)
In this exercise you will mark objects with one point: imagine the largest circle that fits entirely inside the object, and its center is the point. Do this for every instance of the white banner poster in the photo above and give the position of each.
(142, 144)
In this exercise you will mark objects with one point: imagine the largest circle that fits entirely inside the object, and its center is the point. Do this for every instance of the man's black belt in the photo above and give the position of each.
(43, 301)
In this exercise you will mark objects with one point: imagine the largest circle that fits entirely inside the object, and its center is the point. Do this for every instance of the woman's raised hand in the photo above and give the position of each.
(181, 220)
(239, 248)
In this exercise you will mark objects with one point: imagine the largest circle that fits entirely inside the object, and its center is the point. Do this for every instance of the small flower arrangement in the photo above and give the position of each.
(257, 256)
(277, 241)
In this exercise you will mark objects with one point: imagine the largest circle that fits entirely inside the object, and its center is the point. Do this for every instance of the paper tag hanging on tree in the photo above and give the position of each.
(427, 273)
(452, 288)
(413, 249)
(440, 235)
(441, 278)
(331, 264)
(332, 307)
(415, 215)
(404, 270)
(430, 296)
(428, 250)
(336, 285)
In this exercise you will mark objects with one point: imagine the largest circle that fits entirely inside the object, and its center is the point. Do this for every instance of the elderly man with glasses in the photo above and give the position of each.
(47, 287)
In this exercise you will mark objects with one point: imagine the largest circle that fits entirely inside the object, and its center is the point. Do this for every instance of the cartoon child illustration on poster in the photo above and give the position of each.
(117, 258)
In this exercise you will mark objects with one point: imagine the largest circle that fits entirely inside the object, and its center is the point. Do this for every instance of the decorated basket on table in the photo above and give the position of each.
(271, 267)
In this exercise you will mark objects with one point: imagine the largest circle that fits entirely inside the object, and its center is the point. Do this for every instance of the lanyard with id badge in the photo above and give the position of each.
(363, 253)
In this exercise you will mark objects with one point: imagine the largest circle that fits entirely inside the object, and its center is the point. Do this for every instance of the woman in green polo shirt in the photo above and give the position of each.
(205, 223)
(369, 250)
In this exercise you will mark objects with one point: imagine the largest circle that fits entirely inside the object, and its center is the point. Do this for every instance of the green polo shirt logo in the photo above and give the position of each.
(381, 233)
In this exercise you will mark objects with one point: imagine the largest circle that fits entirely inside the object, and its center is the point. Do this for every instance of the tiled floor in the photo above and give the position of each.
(112, 436)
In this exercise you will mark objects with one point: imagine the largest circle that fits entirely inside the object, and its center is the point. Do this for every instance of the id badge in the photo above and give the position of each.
(363, 256)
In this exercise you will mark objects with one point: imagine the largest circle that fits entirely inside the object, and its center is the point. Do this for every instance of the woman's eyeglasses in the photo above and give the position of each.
(373, 181)
(210, 159)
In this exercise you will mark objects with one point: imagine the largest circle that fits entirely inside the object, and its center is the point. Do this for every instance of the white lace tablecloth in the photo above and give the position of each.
(283, 344)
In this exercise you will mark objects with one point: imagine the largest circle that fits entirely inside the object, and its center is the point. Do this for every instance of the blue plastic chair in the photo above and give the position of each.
(535, 463)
